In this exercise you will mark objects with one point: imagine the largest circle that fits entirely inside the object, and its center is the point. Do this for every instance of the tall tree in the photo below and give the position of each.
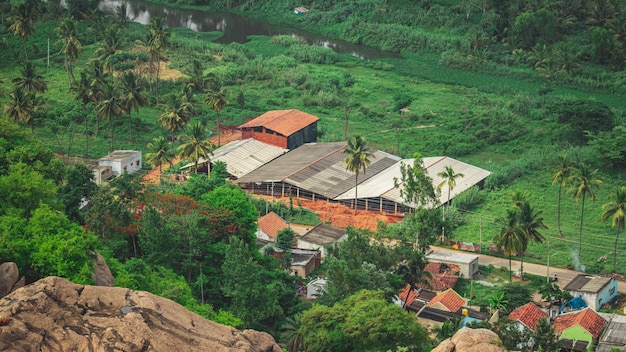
(123, 15)
(132, 97)
(510, 238)
(585, 181)
(357, 160)
(83, 93)
(196, 145)
(158, 40)
(177, 113)
(416, 187)
(449, 177)
(110, 107)
(30, 81)
(562, 175)
(159, 153)
(216, 100)
(99, 79)
(70, 45)
(529, 223)
(21, 107)
(411, 268)
(23, 21)
(112, 42)
(616, 211)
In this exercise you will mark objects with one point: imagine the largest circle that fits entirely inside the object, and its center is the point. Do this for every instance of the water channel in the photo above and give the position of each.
(236, 28)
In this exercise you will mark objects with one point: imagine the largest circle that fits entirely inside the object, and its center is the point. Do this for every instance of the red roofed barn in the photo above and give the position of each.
(283, 128)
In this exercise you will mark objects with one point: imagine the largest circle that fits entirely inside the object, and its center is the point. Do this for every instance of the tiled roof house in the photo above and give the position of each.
(448, 300)
(585, 325)
(269, 225)
(444, 276)
(528, 315)
(283, 128)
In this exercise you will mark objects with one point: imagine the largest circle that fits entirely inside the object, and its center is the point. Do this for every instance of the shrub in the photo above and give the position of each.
(469, 199)
(313, 54)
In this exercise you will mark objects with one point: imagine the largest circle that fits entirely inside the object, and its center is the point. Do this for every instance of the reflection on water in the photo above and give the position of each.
(236, 28)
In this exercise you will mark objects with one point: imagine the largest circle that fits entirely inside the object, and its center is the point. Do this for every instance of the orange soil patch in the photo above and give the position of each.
(166, 73)
(342, 216)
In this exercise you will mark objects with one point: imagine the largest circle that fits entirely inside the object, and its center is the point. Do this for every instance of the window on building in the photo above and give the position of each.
(258, 129)
(137, 162)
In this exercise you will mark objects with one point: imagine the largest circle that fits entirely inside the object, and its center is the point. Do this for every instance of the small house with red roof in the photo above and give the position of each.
(443, 276)
(448, 300)
(528, 316)
(283, 128)
(269, 225)
(579, 328)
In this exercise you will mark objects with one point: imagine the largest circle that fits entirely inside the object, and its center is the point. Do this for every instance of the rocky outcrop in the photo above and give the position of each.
(471, 340)
(9, 278)
(54, 314)
(101, 273)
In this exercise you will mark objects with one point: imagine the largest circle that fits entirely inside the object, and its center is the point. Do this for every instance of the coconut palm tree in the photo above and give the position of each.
(197, 79)
(159, 153)
(99, 79)
(412, 271)
(23, 21)
(357, 160)
(84, 95)
(616, 210)
(510, 238)
(30, 81)
(123, 15)
(21, 107)
(177, 113)
(293, 333)
(216, 100)
(132, 97)
(112, 42)
(563, 173)
(196, 145)
(449, 177)
(158, 40)
(110, 107)
(70, 45)
(586, 181)
(529, 223)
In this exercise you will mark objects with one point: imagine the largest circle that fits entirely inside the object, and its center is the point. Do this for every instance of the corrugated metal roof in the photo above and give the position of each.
(587, 283)
(382, 185)
(242, 157)
(328, 176)
(279, 169)
(323, 235)
(450, 257)
(285, 122)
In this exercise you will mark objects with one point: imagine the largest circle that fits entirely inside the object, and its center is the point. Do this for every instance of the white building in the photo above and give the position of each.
(122, 161)
(468, 263)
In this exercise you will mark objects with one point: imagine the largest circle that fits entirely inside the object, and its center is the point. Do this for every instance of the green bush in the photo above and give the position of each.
(313, 54)
(469, 199)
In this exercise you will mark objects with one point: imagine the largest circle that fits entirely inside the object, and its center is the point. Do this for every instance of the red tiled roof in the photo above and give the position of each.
(444, 276)
(285, 122)
(449, 299)
(587, 319)
(271, 224)
(529, 315)
(412, 295)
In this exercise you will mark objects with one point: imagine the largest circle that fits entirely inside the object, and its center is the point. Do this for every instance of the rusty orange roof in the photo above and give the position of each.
(444, 276)
(285, 122)
(271, 224)
(529, 315)
(587, 319)
(449, 299)
(413, 294)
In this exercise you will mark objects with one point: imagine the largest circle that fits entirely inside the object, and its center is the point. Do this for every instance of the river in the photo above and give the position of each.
(236, 28)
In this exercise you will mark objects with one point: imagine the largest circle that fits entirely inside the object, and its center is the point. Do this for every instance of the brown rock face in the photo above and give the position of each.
(471, 340)
(9, 276)
(101, 273)
(54, 314)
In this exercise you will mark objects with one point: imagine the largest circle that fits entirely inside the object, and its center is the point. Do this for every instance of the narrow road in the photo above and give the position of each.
(564, 275)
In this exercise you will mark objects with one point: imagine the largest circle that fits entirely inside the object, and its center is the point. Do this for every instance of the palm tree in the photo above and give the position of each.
(197, 79)
(563, 173)
(110, 107)
(21, 107)
(23, 22)
(99, 79)
(158, 39)
(616, 210)
(71, 47)
(509, 236)
(586, 181)
(449, 177)
(357, 160)
(412, 271)
(112, 42)
(216, 100)
(196, 146)
(132, 97)
(159, 153)
(293, 333)
(177, 113)
(122, 14)
(30, 81)
(529, 222)
(84, 95)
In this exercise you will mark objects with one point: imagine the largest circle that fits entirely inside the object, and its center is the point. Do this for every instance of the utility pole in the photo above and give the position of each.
(548, 275)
